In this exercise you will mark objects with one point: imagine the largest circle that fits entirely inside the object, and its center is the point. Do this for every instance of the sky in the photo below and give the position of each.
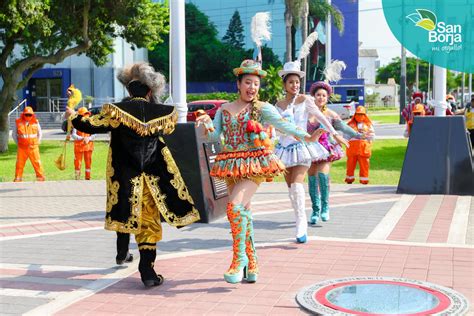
(379, 37)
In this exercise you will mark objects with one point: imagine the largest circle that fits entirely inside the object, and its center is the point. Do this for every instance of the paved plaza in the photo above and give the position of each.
(56, 258)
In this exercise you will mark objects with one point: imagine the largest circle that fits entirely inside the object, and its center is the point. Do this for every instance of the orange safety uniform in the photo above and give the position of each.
(418, 110)
(360, 147)
(82, 148)
(27, 135)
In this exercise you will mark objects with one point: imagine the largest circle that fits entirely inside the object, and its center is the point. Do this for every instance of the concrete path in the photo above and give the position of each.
(56, 258)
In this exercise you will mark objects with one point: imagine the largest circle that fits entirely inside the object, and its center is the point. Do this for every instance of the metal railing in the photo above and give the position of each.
(17, 108)
(59, 104)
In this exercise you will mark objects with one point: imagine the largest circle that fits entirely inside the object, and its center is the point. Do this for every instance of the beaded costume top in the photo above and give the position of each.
(299, 114)
(242, 156)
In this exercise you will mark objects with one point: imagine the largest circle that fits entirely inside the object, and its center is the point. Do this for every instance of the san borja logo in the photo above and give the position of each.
(438, 32)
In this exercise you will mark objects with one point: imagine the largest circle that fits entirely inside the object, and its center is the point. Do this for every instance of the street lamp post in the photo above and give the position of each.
(439, 90)
(178, 58)
(403, 84)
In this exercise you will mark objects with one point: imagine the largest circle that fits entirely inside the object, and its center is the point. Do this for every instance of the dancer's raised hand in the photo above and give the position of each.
(341, 140)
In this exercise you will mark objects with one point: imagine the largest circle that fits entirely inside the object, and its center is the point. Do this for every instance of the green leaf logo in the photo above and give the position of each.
(425, 19)
(427, 24)
(427, 14)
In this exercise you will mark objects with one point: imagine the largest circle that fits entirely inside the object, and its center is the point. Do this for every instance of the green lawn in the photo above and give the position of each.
(385, 119)
(386, 162)
(381, 109)
(49, 151)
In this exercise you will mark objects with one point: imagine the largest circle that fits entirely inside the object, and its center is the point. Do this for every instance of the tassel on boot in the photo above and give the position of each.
(252, 271)
(238, 227)
(315, 199)
(324, 189)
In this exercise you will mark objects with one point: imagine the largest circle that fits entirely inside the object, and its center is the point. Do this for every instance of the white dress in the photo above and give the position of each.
(293, 152)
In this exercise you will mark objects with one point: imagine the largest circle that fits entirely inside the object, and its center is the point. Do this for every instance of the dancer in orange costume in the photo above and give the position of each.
(360, 146)
(83, 147)
(27, 135)
(246, 160)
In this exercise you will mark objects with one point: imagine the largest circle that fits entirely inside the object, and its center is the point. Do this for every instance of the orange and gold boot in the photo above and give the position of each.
(252, 271)
(238, 226)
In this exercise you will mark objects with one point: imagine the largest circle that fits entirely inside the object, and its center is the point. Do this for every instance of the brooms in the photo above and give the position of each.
(60, 162)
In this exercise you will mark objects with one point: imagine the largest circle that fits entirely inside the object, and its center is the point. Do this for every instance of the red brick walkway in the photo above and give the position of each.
(195, 286)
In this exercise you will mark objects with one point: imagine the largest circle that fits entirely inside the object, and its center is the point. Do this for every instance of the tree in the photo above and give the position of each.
(320, 10)
(272, 89)
(203, 48)
(47, 35)
(235, 32)
(204, 51)
(392, 70)
(297, 11)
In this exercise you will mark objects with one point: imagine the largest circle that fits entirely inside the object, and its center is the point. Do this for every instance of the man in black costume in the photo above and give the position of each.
(143, 180)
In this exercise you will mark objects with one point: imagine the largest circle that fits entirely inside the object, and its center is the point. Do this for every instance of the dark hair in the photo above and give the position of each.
(320, 85)
(285, 77)
(138, 89)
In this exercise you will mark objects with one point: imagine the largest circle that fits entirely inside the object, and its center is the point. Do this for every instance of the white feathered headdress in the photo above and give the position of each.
(333, 71)
(294, 67)
(260, 31)
(308, 43)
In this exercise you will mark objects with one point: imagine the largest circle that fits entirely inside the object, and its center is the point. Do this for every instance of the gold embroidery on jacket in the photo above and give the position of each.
(112, 186)
(159, 197)
(165, 124)
(103, 119)
(177, 182)
(133, 224)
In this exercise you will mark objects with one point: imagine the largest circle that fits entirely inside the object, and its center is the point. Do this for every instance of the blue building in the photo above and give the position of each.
(343, 47)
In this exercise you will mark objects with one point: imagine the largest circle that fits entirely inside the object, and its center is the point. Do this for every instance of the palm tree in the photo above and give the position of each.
(297, 13)
(293, 14)
(320, 10)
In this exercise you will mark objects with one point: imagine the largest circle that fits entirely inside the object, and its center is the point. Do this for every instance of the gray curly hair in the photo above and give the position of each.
(146, 74)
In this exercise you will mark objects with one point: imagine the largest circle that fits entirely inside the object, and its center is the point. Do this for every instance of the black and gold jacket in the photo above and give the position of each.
(138, 158)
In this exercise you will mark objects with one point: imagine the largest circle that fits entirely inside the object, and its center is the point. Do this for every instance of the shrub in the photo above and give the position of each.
(212, 96)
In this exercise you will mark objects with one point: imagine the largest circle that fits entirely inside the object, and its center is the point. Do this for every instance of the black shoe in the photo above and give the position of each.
(120, 260)
(154, 282)
(147, 272)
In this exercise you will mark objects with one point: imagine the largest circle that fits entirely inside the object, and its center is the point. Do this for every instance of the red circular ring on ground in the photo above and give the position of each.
(320, 297)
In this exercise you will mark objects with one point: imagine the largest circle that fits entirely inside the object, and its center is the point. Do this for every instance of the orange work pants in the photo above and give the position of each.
(22, 155)
(78, 162)
(364, 165)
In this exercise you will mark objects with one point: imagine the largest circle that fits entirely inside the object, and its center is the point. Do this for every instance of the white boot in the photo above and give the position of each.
(298, 197)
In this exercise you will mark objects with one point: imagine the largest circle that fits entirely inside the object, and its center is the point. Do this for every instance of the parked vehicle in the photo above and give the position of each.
(343, 109)
(210, 106)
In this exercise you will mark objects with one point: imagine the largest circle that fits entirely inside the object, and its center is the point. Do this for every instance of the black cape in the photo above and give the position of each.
(138, 158)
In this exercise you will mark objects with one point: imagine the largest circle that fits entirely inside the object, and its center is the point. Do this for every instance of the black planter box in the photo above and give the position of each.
(194, 156)
(438, 159)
